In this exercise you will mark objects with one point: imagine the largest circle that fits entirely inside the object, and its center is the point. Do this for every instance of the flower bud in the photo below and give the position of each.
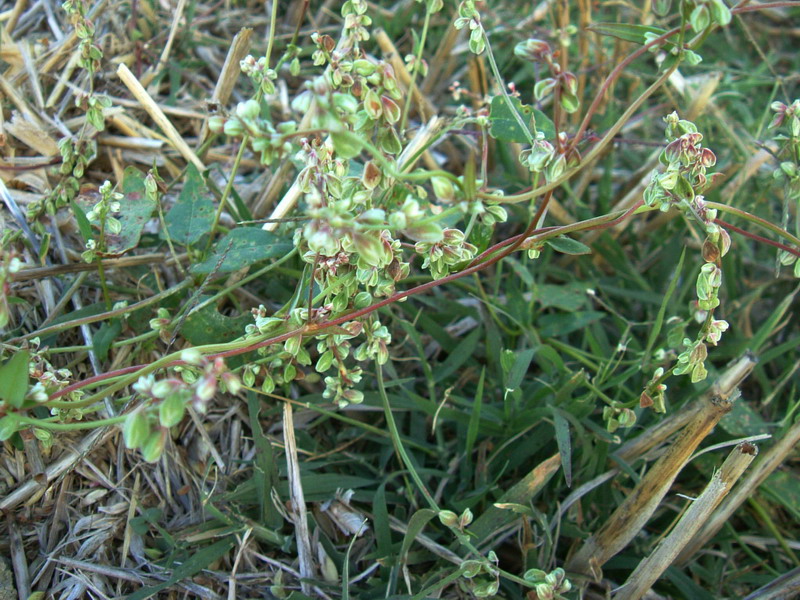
(345, 103)
(448, 518)
(543, 87)
(707, 158)
(371, 249)
(532, 49)
(363, 67)
(205, 390)
(248, 111)
(172, 409)
(153, 447)
(135, 429)
(443, 189)
(233, 127)
(428, 232)
(570, 83)
(465, 519)
(373, 105)
(390, 142)
(371, 176)
(373, 216)
(391, 110)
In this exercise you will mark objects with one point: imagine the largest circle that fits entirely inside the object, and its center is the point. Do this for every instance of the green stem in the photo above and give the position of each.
(594, 152)
(756, 220)
(273, 19)
(103, 316)
(44, 424)
(227, 191)
(100, 269)
(441, 584)
(413, 83)
(398, 444)
(506, 97)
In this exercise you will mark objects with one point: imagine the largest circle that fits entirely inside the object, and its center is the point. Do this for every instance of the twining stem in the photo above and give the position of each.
(758, 238)
(594, 153)
(235, 348)
(491, 256)
(757, 221)
(601, 93)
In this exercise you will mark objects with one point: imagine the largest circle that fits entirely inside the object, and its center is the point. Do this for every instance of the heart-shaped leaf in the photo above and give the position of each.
(240, 248)
(505, 127)
(193, 213)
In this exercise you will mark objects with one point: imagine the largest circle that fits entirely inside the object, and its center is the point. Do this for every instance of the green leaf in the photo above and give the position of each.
(743, 421)
(564, 443)
(193, 213)
(475, 416)
(516, 373)
(415, 525)
(242, 247)
(505, 127)
(14, 379)
(566, 245)
(135, 211)
(460, 354)
(194, 564)
(104, 336)
(209, 326)
(569, 297)
(562, 324)
(662, 311)
(9, 425)
(83, 223)
(628, 32)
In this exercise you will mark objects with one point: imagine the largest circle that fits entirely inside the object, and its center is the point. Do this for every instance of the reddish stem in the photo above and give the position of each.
(758, 238)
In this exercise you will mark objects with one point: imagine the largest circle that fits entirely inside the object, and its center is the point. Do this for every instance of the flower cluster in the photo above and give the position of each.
(9, 264)
(564, 83)
(358, 211)
(100, 214)
(617, 416)
(269, 141)
(468, 16)
(90, 53)
(29, 361)
(451, 250)
(681, 185)
(147, 427)
(261, 76)
(686, 164)
(549, 586)
(702, 13)
(76, 156)
(788, 117)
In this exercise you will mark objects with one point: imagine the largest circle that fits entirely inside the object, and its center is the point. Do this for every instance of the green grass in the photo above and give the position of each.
(498, 419)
